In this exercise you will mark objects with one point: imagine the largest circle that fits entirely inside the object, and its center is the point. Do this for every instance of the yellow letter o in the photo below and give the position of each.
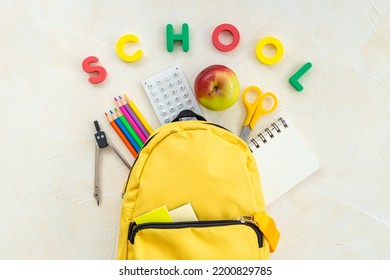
(269, 41)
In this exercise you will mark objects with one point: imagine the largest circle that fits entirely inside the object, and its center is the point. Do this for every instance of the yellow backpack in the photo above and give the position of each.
(196, 163)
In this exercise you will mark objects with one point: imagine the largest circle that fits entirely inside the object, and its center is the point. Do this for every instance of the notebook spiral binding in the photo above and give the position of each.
(269, 132)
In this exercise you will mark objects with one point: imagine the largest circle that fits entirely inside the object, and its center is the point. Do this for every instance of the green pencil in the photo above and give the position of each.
(129, 128)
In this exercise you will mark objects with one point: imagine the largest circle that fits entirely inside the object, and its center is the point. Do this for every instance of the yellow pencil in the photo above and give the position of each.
(139, 115)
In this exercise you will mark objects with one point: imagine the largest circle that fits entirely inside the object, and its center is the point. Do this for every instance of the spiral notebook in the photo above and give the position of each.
(282, 157)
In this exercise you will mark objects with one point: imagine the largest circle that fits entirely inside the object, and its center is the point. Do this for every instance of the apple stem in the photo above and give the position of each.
(215, 89)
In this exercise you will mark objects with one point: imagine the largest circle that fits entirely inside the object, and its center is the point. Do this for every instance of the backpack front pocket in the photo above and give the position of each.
(207, 240)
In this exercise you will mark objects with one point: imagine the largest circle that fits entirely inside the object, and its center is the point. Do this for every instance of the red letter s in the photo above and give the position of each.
(101, 72)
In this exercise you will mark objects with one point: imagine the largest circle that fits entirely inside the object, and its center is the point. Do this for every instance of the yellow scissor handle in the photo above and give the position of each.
(256, 109)
(250, 107)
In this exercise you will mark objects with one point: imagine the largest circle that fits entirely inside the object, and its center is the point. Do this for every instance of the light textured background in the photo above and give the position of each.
(48, 107)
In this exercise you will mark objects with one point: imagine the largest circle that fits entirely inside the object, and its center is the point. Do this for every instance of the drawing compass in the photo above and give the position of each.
(102, 141)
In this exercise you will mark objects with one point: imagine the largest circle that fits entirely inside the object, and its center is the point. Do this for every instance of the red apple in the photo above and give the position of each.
(217, 87)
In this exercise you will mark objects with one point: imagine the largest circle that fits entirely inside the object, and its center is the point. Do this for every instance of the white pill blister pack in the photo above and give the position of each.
(169, 93)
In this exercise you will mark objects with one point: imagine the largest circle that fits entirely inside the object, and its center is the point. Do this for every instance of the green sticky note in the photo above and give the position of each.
(160, 214)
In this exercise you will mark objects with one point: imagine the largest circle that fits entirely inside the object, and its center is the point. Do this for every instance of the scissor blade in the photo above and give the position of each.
(245, 133)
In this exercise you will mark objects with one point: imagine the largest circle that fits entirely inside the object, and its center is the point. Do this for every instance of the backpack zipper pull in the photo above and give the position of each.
(247, 219)
(267, 226)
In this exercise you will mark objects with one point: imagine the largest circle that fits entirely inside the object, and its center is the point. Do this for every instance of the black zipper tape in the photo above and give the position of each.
(134, 228)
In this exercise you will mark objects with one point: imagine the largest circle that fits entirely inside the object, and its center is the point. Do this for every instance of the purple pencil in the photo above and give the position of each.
(134, 116)
(131, 121)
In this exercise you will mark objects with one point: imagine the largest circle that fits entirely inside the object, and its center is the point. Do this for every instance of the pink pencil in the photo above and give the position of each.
(131, 121)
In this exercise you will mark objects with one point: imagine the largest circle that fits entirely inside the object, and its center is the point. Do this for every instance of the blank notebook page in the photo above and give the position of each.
(282, 157)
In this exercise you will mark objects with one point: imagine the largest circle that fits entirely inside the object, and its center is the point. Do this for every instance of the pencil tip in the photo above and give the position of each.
(116, 110)
(105, 113)
(115, 99)
(111, 112)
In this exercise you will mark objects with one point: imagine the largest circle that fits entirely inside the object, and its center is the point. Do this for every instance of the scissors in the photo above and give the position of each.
(255, 109)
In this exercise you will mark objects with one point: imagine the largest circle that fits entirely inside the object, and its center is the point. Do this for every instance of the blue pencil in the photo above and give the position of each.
(126, 132)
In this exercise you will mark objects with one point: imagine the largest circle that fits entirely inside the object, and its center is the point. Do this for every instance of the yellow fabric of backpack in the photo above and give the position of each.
(200, 163)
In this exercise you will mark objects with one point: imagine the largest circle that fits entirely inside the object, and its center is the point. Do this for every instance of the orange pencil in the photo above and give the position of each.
(121, 135)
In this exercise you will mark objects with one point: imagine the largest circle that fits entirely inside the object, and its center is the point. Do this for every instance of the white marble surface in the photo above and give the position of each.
(48, 107)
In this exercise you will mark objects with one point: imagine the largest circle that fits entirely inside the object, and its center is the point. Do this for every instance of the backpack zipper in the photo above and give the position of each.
(134, 228)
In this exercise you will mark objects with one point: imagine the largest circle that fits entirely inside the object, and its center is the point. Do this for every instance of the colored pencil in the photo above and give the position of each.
(129, 128)
(139, 115)
(126, 132)
(121, 135)
(134, 116)
(131, 121)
